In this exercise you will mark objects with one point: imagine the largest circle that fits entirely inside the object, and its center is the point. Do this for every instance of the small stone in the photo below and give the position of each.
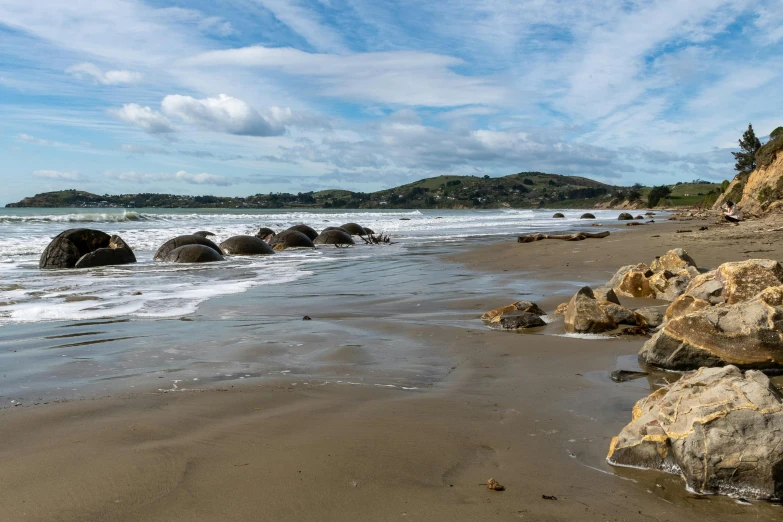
(307, 318)
(494, 485)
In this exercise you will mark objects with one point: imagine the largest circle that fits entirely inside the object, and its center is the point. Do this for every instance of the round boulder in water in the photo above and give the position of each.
(587, 215)
(70, 246)
(625, 216)
(203, 233)
(193, 253)
(265, 233)
(310, 232)
(369, 230)
(334, 237)
(558, 215)
(354, 229)
(290, 239)
(179, 241)
(246, 246)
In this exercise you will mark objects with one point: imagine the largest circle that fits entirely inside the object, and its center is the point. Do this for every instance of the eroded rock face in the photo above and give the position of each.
(666, 278)
(584, 315)
(246, 246)
(70, 247)
(672, 260)
(334, 237)
(290, 239)
(117, 252)
(742, 280)
(354, 229)
(618, 314)
(310, 232)
(748, 334)
(706, 288)
(721, 430)
(193, 253)
(179, 241)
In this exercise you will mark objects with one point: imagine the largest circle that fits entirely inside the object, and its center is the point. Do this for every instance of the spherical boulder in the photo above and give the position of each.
(246, 246)
(117, 252)
(179, 241)
(327, 229)
(334, 237)
(371, 231)
(306, 230)
(70, 246)
(265, 233)
(354, 229)
(558, 215)
(193, 253)
(624, 216)
(587, 215)
(203, 233)
(290, 239)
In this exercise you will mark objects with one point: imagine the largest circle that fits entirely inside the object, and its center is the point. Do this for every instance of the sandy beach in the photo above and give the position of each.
(533, 411)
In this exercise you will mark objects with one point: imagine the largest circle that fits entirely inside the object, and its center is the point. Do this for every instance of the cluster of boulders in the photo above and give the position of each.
(517, 315)
(85, 248)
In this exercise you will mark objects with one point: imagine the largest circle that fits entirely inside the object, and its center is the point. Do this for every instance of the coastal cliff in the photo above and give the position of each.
(761, 191)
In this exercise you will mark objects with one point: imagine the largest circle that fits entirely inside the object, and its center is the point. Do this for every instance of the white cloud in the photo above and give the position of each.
(94, 73)
(220, 114)
(408, 78)
(56, 174)
(305, 23)
(140, 150)
(181, 176)
(145, 118)
(32, 139)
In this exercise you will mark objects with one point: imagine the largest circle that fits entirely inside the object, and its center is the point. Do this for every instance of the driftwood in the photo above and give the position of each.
(578, 236)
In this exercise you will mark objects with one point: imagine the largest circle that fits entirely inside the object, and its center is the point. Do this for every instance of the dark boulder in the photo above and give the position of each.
(193, 253)
(624, 216)
(68, 247)
(639, 217)
(558, 215)
(334, 237)
(246, 246)
(290, 239)
(354, 229)
(587, 215)
(116, 253)
(265, 233)
(304, 229)
(327, 229)
(371, 231)
(179, 241)
(203, 233)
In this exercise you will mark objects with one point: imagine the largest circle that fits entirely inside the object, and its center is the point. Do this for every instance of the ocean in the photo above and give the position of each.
(75, 333)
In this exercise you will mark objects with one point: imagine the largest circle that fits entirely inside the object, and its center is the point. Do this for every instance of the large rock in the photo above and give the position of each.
(706, 288)
(672, 260)
(70, 246)
(651, 316)
(558, 215)
(246, 246)
(517, 320)
(354, 229)
(684, 305)
(290, 239)
(587, 215)
(334, 237)
(636, 283)
(265, 233)
(748, 334)
(668, 285)
(203, 233)
(584, 315)
(518, 306)
(625, 216)
(179, 241)
(619, 314)
(722, 431)
(605, 293)
(116, 253)
(193, 253)
(310, 232)
(742, 280)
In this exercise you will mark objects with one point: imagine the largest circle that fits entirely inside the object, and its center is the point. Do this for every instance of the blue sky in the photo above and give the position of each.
(237, 97)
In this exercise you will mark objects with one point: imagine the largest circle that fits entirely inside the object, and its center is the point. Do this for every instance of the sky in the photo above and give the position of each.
(239, 97)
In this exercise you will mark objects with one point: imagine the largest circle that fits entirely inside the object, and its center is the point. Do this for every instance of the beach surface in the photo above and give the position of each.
(535, 411)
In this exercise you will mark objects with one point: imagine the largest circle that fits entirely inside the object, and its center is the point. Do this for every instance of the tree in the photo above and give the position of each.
(746, 158)
(775, 134)
(656, 194)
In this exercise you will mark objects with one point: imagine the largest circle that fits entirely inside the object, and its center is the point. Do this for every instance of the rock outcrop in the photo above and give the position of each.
(748, 334)
(666, 278)
(722, 431)
(77, 246)
(246, 246)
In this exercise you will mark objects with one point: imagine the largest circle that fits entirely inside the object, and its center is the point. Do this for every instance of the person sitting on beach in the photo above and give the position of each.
(732, 213)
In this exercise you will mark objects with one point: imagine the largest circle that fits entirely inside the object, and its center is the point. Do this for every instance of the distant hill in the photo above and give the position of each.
(521, 190)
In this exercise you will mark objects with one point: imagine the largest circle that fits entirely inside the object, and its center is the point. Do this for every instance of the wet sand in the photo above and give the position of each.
(535, 412)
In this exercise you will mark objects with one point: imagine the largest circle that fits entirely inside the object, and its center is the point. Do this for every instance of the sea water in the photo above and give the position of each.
(70, 332)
